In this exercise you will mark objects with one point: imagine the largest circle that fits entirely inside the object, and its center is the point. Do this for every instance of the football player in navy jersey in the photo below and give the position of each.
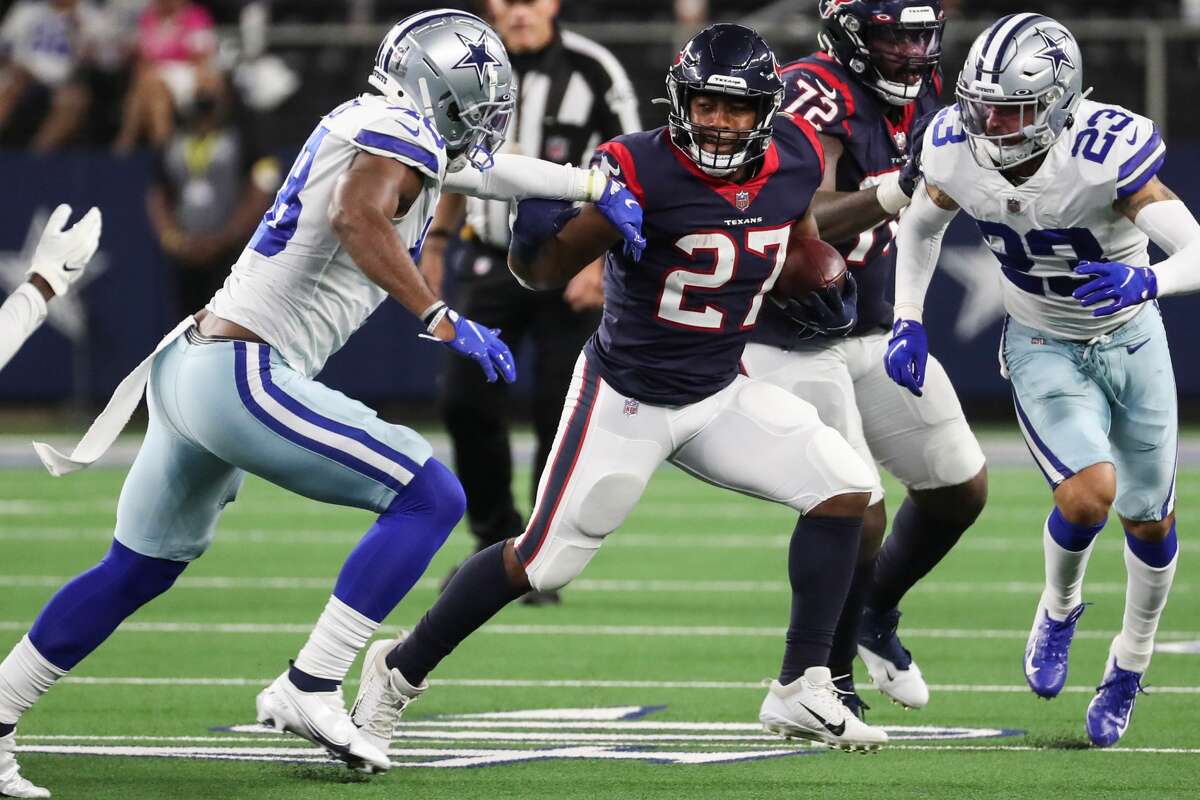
(721, 187)
(867, 92)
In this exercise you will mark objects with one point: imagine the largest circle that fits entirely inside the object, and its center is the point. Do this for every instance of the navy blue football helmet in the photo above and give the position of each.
(731, 60)
(892, 46)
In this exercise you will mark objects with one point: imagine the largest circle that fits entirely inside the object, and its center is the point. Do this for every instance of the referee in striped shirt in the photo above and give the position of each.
(572, 95)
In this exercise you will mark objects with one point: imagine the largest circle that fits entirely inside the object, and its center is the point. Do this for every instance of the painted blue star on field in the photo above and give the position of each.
(1055, 53)
(477, 56)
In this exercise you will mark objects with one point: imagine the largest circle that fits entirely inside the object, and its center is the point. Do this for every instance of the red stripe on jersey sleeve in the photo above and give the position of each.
(810, 133)
(620, 153)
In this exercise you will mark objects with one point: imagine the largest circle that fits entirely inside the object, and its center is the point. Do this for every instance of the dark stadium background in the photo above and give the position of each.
(1143, 55)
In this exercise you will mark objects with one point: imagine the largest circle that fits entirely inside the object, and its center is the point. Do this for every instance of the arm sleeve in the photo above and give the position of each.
(1174, 228)
(515, 177)
(918, 245)
(20, 316)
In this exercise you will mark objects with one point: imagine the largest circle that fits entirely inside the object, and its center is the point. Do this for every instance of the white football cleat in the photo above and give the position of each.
(383, 694)
(11, 782)
(810, 708)
(321, 718)
(890, 665)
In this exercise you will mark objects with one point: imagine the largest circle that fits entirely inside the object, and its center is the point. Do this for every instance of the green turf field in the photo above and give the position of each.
(653, 664)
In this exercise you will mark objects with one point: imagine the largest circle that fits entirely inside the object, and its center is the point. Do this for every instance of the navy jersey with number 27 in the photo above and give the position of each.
(675, 322)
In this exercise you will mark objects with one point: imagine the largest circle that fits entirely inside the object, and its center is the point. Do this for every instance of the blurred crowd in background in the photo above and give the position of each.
(221, 93)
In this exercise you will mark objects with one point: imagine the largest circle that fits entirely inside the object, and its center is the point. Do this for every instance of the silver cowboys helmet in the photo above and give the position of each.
(1019, 88)
(453, 66)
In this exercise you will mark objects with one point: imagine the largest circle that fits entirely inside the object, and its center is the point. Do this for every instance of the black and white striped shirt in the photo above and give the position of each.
(571, 96)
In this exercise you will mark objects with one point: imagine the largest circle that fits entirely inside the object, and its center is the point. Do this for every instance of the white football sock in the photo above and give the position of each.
(335, 641)
(1064, 576)
(1145, 598)
(24, 677)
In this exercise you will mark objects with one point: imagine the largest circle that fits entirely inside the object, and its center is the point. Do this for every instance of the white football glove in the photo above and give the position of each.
(61, 255)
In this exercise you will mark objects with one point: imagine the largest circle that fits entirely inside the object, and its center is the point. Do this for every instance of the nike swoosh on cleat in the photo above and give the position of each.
(71, 269)
(1133, 348)
(836, 730)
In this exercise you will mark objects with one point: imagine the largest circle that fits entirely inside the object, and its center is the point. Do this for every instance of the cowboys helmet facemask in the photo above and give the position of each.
(454, 67)
(910, 32)
(734, 61)
(1028, 68)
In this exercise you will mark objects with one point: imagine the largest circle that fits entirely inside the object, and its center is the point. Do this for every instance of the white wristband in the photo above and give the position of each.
(890, 196)
(907, 311)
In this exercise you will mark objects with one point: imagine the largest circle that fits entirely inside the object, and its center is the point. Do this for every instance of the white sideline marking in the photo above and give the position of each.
(600, 630)
(1030, 588)
(519, 683)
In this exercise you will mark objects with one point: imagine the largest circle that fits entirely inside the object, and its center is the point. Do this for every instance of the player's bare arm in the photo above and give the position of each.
(447, 220)
(581, 241)
(372, 192)
(844, 215)
(1153, 192)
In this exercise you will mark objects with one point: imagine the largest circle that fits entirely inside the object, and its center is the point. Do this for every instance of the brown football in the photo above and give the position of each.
(811, 264)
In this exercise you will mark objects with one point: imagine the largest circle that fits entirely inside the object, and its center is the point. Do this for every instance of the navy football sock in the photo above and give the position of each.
(83, 613)
(395, 553)
(917, 543)
(477, 591)
(310, 683)
(6, 729)
(845, 638)
(821, 561)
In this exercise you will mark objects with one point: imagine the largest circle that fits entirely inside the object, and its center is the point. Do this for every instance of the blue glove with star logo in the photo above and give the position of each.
(480, 344)
(621, 208)
(907, 353)
(1119, 284)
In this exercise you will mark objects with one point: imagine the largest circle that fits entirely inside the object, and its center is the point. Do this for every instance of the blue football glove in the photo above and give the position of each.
(481, 344)
(620, 207)
(1119, 284)
(910, 173)
(907, 353)
(828, 312)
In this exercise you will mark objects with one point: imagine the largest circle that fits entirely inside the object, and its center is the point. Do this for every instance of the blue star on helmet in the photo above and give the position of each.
(477, 57)
(1054, 52)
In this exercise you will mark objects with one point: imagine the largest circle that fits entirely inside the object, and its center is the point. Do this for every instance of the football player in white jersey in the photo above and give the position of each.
(60, 258)
(232, 390)
(1066, 194)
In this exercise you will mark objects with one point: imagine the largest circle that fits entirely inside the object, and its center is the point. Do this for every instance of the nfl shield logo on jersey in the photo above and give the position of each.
(742, 200)
(901, 140)
(631, 407)
(1014, 205)
(557, 149)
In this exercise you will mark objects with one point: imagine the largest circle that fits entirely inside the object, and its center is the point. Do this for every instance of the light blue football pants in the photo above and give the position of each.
(221, 408)
(1108, 400)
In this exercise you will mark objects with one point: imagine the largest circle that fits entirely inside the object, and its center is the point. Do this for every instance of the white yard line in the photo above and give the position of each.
(602, 630)
(518, 683)
(1028, 588)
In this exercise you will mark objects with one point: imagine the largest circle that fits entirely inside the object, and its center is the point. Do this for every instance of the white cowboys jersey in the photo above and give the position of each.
(294, 285)
(1064, 214)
